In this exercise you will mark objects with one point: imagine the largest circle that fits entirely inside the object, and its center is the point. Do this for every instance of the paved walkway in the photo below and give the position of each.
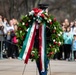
(15, 67)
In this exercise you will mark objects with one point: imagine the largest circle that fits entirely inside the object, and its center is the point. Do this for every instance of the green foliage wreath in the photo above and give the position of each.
(53, 31)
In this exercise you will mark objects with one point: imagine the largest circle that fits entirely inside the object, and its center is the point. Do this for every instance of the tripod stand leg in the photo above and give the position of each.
(49, 68)
(24, 70)
(36, 71)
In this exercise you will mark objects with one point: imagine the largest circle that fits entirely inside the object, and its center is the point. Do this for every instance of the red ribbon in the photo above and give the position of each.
(31, 45)
(40, 45)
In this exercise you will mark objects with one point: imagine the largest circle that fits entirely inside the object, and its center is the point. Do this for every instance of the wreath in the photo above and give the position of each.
(53, 31)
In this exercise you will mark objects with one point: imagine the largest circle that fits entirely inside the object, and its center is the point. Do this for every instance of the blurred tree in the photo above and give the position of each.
(59, 8)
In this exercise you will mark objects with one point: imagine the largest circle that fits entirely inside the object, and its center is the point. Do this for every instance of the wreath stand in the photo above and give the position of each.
(49, 69)
(36, 37)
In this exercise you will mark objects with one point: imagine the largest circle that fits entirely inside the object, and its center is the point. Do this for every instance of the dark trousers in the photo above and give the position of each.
(15, 51)
(9, 49)
(61, 48)
(67, 50)
(74, 54)
(59, 54)
(46, 66)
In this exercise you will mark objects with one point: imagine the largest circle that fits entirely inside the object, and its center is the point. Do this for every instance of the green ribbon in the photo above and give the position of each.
(24, 43)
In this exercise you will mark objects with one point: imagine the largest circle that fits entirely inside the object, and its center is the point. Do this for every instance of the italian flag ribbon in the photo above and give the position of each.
(42, 47)
(28, 43)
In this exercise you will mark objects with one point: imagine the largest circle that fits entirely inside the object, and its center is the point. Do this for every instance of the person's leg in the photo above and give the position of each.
(9, 49)
(65, 51)
(68, 51)
(60, 52)
(13, 51)
(16, 51)
(75, 55)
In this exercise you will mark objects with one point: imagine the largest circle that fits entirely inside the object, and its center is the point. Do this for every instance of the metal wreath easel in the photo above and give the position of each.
(23, 72)
(43, 7)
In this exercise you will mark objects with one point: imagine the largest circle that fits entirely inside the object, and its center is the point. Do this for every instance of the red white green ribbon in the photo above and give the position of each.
(28, 44)
(42, 47)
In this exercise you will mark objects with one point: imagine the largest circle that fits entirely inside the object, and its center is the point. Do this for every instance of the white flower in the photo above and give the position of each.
(36, 19)
(60, 43)
(54, 40)
(55, 50)
(31, 13)
(20, 31)
(25, 15)
(39, 13)
(50, 45)
(29, 20)
(59, 35)
(23, 23)
(46, 13)
(54, 27)
(39, 21)
(33, 51)
(49, 20)
(38, 16)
